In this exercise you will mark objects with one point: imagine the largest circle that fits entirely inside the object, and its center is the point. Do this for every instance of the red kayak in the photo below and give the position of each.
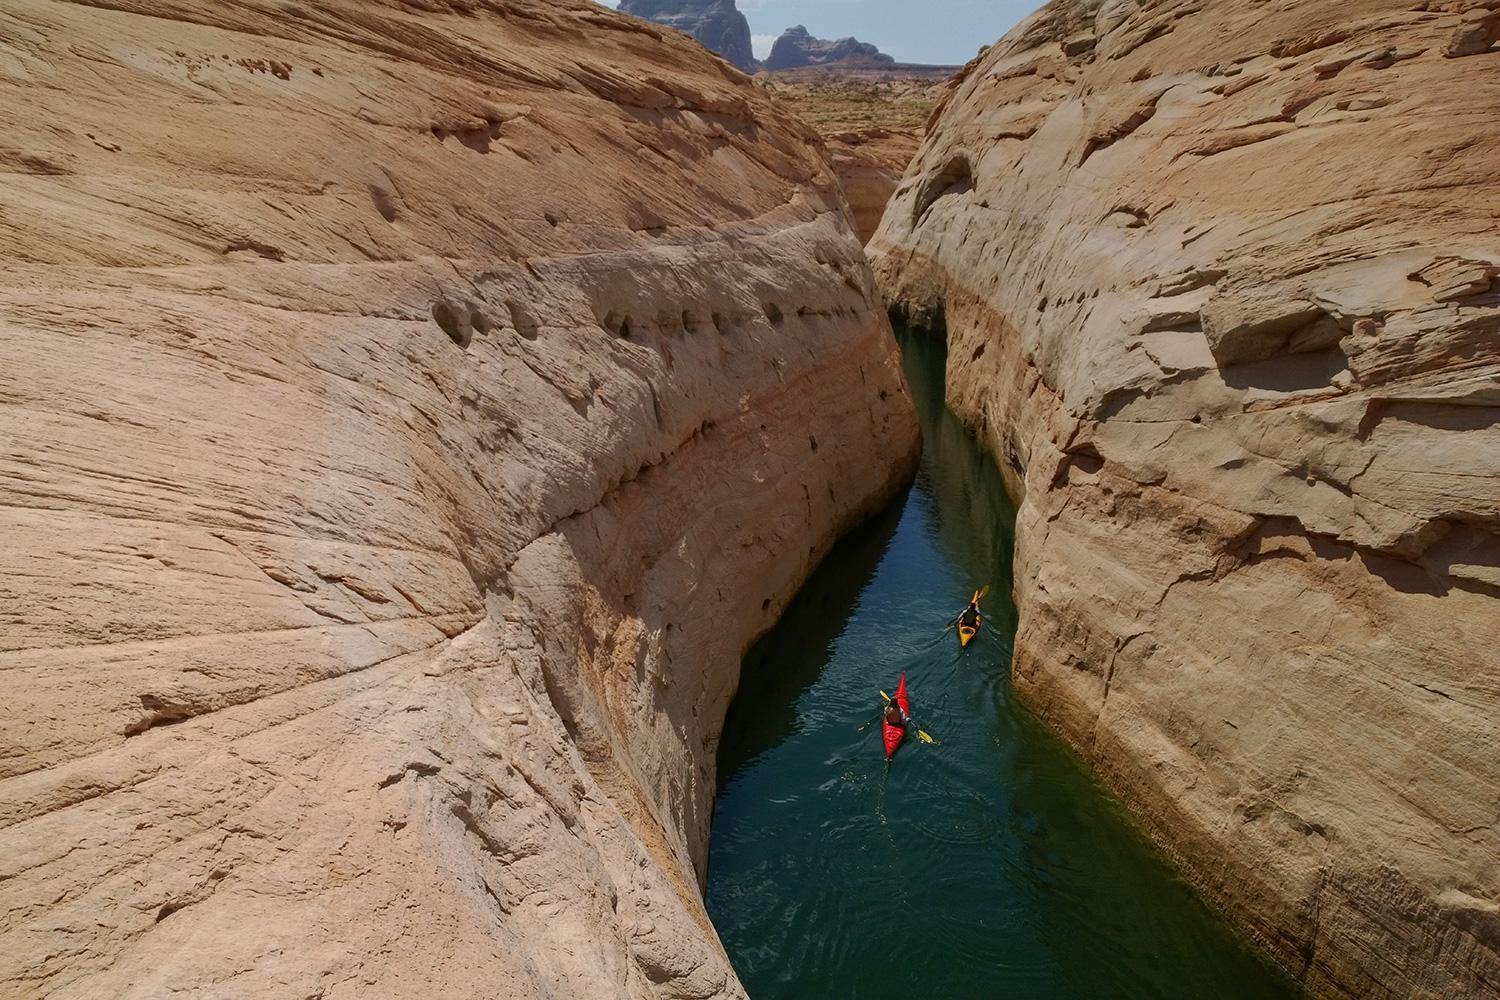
(895, 734)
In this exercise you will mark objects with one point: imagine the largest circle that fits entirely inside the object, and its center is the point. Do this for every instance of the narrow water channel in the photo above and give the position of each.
(987, 866)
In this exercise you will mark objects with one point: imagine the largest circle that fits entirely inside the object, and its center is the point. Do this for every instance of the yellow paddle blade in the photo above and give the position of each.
(885, 696)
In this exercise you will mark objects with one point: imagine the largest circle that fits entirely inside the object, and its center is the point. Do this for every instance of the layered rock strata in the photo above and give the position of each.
(1219, 284)
(717, 25)
(410, 413)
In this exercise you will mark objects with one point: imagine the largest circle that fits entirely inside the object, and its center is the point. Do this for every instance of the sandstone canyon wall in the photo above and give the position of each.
(1219, 283)
(410, 413)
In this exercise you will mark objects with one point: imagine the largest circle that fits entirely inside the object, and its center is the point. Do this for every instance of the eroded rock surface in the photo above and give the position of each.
(409, 415)
(717, 24)
(1219, 282)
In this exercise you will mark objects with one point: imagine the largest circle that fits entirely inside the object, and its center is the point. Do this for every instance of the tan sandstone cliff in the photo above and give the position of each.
(1219, 281)
(408, 413)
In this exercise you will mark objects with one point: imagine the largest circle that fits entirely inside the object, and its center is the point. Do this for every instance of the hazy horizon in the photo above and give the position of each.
(945, 32)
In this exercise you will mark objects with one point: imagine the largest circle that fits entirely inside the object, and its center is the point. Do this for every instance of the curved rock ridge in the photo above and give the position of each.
(410, 414)
(796, 47)
(1220, 289)
(717, 24)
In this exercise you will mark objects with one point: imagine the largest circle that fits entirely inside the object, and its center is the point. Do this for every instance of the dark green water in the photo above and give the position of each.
(989, 866)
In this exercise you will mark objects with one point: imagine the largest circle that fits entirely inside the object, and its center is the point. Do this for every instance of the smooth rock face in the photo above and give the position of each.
(716, 24)
(1219, 282)
(410, 415)
(796, 47)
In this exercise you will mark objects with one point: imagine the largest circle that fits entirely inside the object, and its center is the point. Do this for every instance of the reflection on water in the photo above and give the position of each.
(986, 866)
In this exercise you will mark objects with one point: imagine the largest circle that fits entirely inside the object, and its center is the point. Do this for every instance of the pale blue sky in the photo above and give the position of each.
(922, 31)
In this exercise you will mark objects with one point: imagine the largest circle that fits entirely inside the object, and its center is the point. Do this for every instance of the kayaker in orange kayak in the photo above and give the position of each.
(968, 620)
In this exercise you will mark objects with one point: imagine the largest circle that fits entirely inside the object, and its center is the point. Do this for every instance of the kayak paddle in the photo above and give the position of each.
(921, 735)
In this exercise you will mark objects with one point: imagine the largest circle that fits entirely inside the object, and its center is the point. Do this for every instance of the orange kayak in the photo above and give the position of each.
(965, 633)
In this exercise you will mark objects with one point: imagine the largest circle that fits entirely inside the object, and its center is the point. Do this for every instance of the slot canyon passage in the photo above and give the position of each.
(412, 411)
(987, 865)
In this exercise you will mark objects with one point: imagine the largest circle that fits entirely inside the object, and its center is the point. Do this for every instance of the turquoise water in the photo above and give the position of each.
(987, 866)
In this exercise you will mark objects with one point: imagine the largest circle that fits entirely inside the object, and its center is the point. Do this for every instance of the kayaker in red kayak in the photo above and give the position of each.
(897, 717)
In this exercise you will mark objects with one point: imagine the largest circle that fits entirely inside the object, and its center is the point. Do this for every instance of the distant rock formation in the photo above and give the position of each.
(717, 24)
(797, 48)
